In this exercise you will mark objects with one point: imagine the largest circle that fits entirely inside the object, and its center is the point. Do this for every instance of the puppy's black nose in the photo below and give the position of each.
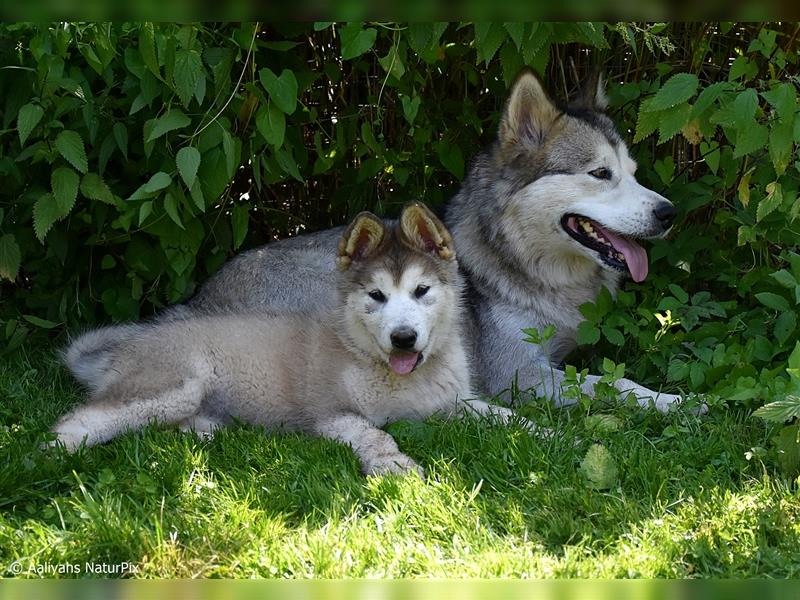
(403, 338)
(665, 213)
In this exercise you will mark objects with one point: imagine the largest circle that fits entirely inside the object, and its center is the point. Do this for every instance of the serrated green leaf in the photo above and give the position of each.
(174, 119)
(773, 301)
(147, 48)
(679, 293)
(781, 143)
(10, 257)
(780, 411)
(64, 182)
(240, 218)
(697, 374)
(646, 123)
(70, 145)
(599, 467)
(511, 61)
(613, 335)
(602, 424)
(488, 39)
(677, 370)
(188, 71)
(745, 105)
(516, 31)
(188, 161)
(121, 137)
(678, 89)
(785, 278)
(356, 41)
(271, 123)
(751, 136)
(28, 118)
(708, 96)
(593, 33)
(784, 99)
(282, 90)
(588, 333)
(94, 188)
(45, 214)
(672, 121)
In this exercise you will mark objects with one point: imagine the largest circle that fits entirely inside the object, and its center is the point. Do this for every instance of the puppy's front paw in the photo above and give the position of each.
(396, 463)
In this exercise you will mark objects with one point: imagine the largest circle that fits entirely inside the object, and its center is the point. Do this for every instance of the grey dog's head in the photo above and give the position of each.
(573, 197)
(399, 286)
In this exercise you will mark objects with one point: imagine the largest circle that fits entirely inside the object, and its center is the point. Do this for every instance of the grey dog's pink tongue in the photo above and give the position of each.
(403, 363)
(635, 255)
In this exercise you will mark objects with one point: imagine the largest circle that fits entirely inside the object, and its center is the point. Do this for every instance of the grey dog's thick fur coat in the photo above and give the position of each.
(522, 269)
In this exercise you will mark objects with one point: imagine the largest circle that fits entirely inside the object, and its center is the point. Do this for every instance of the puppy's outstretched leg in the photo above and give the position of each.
(110, 415)
(376, 450)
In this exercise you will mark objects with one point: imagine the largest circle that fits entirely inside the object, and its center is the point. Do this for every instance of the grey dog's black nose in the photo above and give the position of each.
(403, 338)
(665, 213)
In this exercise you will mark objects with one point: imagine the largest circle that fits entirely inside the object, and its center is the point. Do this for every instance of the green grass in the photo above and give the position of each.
(497, 502)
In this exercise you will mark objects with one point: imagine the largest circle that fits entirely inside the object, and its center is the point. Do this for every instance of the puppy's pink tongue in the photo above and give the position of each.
(635, 255)
(403, 363)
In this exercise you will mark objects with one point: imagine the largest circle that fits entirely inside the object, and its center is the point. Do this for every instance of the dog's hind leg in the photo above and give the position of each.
(552, 385)
(376, 450)
(107, 417)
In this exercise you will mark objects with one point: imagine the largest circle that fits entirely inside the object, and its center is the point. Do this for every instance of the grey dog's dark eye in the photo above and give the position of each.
(601, 173)
(377, 295)
(421, 291)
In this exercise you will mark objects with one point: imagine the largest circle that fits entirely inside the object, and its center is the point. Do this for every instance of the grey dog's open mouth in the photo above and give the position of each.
(616, 251)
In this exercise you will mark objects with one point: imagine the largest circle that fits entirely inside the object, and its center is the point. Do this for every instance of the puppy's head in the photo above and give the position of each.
(399, 286)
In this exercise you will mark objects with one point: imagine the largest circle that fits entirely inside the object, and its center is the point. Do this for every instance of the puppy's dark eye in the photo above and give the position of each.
(421, 291)
(601, 173)
(377, 295)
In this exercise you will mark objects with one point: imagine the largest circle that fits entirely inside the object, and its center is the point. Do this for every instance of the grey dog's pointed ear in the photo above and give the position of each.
(423, 230)
(529, 112)
(592, 94)
(360, 240)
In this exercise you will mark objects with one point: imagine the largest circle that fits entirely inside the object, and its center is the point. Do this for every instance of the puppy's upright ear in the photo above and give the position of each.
(423, 230)
(360, 240)
(592, 94)
(529, 112)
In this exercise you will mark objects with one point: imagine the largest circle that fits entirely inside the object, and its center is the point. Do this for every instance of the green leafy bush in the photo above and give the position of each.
(137, 157)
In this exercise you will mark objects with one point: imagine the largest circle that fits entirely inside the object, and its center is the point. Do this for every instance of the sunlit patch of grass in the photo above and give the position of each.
(497, 502)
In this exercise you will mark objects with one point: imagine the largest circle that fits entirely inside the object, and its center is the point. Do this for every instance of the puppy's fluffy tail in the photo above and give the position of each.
(90, 357)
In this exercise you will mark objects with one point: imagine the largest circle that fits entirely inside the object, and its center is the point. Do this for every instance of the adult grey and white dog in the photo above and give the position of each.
(390, 347)
(548, 214)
